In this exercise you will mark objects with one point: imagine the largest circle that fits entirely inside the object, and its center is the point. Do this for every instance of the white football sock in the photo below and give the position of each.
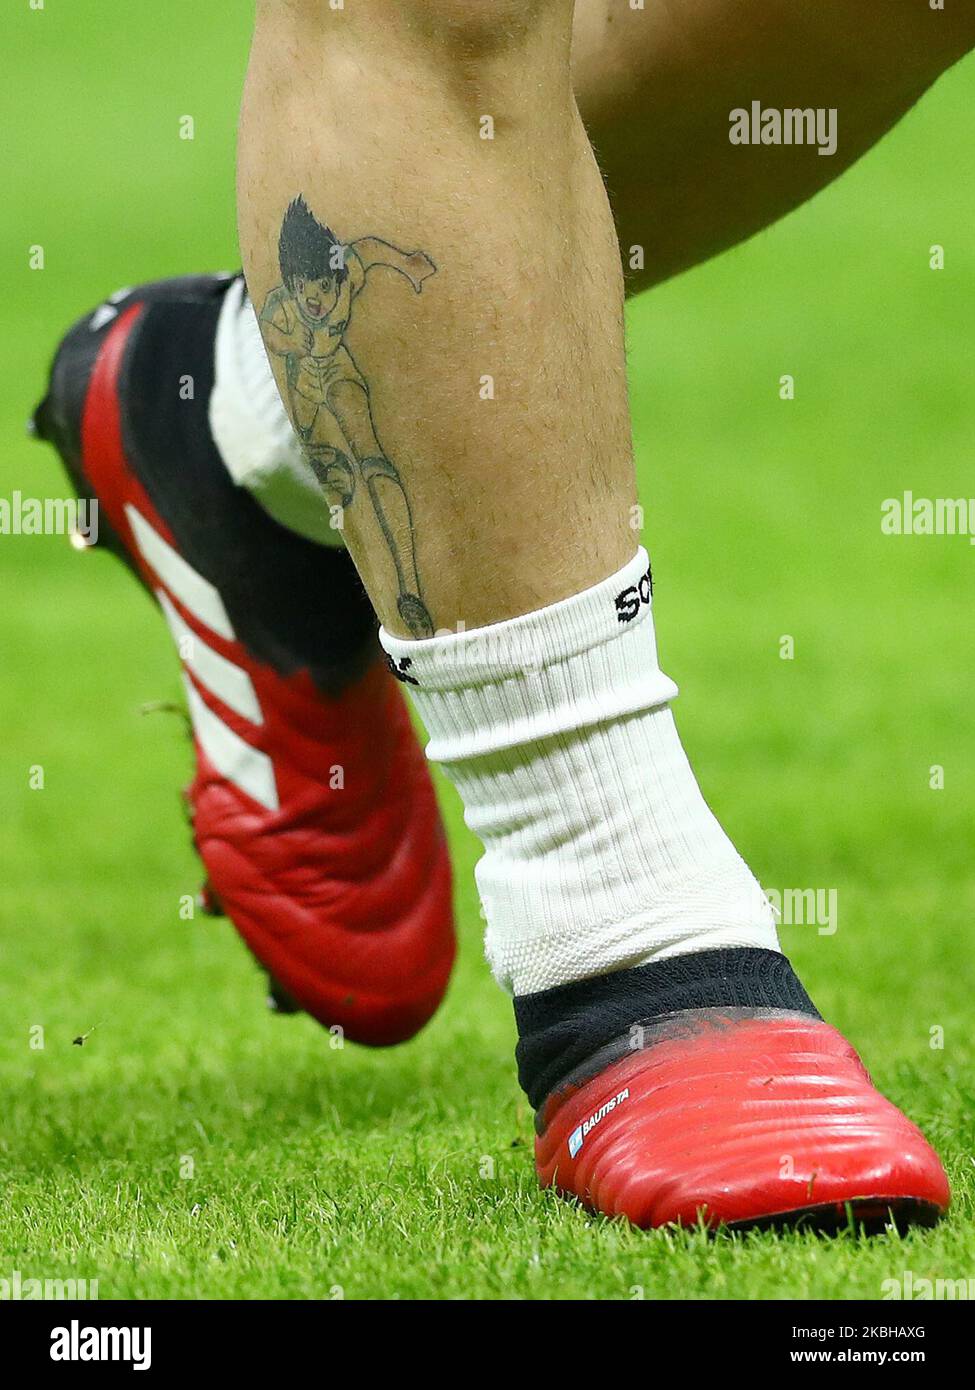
(600, 852)
(251, 429)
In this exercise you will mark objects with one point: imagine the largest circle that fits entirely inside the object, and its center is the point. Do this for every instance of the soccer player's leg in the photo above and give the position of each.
(348, 400)
(327, 452)
(311, 804)
(673, 1058)
(657, 85)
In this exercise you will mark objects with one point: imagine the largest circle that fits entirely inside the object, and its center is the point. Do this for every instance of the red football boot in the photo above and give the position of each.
(312, 805)
(746, 1116)
(768, 1119)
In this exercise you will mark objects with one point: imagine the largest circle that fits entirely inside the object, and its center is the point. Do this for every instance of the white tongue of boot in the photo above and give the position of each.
(251, 429)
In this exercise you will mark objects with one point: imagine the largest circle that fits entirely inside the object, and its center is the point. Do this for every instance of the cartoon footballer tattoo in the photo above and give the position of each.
(303, 321)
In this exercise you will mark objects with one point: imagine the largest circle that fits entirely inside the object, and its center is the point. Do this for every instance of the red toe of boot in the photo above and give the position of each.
(764, 1120)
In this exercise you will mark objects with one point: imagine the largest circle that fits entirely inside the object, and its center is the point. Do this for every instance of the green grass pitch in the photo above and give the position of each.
(197, 1146)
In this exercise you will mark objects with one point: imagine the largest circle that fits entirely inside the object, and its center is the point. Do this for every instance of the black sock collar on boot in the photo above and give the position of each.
(560, 1029)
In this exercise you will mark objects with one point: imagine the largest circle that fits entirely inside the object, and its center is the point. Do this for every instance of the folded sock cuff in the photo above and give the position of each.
(585, 660)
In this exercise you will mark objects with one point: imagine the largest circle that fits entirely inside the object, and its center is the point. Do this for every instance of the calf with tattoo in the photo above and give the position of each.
(304, 321)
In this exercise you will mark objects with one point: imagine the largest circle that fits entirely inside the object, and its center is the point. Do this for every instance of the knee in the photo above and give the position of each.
(483, 27)
(347, 399)
(463, 46)
(476, 24)
(379, 467)
(334, 473)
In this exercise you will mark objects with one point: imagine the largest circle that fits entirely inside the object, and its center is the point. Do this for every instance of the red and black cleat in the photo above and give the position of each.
(747, 1119)
(312, 805)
